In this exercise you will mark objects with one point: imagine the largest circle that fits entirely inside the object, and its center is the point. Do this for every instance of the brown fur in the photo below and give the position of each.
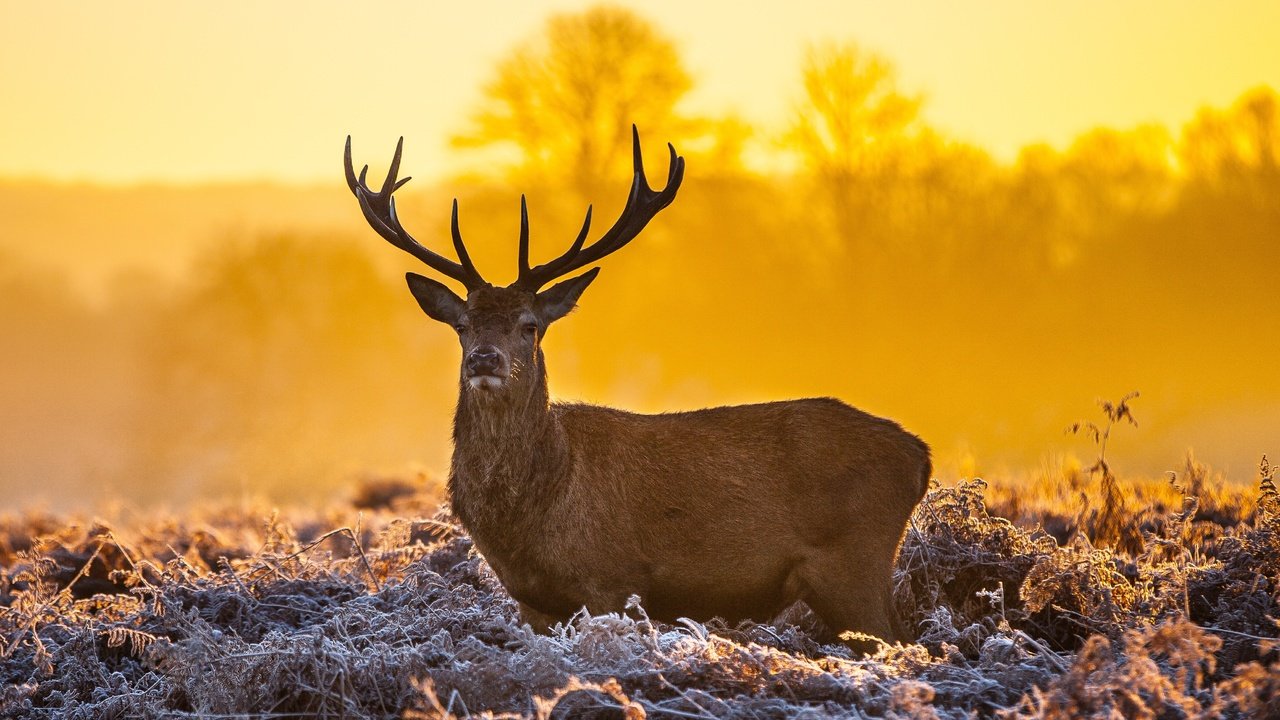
(736, 512)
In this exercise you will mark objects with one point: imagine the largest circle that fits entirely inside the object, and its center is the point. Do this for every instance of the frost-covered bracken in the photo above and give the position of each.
(234, 612)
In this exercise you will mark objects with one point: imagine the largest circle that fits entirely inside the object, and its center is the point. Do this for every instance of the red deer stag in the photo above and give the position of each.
(736, 512)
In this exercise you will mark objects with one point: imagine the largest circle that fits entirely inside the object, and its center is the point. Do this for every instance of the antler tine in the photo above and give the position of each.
(389, 183)
(523, 259)
(582, 234)
(379, 209)
(348, 170)
(643, 203)
(459, 246)
(555, 268)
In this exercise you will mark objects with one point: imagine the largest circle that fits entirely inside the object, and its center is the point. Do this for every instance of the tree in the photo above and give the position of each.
(566, 99)
(853, 111)
(1236, 151)
(1062, 205)
(852, 129)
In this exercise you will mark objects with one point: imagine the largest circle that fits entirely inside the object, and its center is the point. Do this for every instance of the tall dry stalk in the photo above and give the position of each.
(1108, 525)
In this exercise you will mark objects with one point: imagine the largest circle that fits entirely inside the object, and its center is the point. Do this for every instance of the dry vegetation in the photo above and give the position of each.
(1044, 598)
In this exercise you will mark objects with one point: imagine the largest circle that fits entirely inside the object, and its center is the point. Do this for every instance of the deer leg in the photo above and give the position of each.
(851, 598)
(539, 621)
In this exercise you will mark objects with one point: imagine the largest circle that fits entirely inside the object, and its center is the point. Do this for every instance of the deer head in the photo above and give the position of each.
(501, 328)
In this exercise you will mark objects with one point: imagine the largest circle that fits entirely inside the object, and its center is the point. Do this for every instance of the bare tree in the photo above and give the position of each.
(851, 128)
(1237, 150)
(567, 98)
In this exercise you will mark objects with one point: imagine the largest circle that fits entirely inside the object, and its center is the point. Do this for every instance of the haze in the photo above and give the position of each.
(1085, 202)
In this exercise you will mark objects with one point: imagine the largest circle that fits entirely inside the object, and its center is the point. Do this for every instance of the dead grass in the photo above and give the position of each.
(1024, 606)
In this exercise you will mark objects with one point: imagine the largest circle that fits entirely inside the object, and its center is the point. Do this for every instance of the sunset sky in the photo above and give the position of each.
(160, 91)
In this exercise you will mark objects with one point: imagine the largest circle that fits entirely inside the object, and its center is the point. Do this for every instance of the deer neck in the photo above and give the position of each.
(508, 449)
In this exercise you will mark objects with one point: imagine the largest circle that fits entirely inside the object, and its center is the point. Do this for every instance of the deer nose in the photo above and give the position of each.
(484, 361)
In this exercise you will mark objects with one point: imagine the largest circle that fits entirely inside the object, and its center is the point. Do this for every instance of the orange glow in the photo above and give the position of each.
(1082, 202)
(148, 90)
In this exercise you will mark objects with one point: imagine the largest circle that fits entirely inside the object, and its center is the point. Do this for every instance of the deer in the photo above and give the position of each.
(736, 512)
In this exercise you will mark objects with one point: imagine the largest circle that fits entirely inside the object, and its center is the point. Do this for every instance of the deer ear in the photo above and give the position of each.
(435, 299)
(556, 301)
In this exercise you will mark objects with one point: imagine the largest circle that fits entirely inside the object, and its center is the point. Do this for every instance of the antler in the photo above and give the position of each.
(642, 204)
(380, 210)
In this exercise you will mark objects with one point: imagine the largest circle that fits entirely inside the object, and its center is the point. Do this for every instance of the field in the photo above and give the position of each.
(1071, 594)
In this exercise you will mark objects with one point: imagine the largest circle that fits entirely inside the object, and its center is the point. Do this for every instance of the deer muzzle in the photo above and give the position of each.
(486, 368)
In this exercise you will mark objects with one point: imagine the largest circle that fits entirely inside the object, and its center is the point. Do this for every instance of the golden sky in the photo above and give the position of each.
(136, 90)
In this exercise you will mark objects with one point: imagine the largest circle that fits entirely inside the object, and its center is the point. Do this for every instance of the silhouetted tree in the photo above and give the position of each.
(1122, 171)
(1062, 203)
(852, 109)
(566, 99)
(1237, 150)
(851, 131)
